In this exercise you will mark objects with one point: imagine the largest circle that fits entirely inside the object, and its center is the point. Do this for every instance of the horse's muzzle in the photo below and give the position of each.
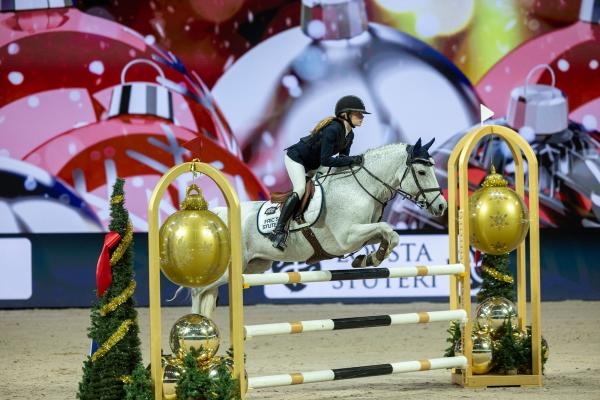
(438, 208)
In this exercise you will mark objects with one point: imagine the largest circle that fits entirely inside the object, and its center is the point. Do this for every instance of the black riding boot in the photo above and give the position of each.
(279, 235)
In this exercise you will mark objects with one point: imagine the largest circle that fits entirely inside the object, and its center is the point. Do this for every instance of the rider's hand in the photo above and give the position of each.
(356, 160)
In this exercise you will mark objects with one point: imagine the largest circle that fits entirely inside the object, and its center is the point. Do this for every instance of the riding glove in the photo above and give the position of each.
(356, 160)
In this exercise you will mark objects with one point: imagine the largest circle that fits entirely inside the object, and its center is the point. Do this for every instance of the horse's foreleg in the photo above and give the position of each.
(196, 297)
(208, 302)
(204, 301)
(379, 232)
(374, 258)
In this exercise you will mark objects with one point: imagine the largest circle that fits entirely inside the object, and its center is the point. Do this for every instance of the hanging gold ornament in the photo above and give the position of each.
(194, 243)
(211, 367)
(498, 217)
(172, 369)
(482, 359)
(493, 311)
(194, 330)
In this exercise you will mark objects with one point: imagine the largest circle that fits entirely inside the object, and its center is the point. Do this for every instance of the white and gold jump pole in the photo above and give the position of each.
(236, 317)
(334, 324)
(299, 378)
(274, 278)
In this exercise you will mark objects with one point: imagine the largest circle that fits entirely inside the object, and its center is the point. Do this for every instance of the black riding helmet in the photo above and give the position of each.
(349, 103)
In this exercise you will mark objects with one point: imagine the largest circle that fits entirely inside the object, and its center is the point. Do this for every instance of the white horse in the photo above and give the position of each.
(355, 199)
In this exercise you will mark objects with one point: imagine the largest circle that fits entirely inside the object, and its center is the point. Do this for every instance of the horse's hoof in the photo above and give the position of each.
(358, 261)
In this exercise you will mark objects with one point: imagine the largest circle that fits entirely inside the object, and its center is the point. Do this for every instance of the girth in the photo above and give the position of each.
(319, 253)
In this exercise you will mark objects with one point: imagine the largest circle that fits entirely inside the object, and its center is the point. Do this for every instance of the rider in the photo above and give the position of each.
(331, 136)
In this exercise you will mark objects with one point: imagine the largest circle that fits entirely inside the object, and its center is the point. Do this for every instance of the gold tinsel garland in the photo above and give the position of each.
(118, 300)
(113, 339)
(497, 275)
(117, 199)
(125, 242)
(123, 296)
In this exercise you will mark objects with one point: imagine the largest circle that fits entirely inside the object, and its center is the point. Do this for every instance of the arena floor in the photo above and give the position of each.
(42, 352)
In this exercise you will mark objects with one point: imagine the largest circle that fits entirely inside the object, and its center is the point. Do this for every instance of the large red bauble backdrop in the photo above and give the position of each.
(55, 110)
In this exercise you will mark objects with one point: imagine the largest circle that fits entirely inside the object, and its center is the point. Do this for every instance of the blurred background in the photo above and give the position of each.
(95, 90)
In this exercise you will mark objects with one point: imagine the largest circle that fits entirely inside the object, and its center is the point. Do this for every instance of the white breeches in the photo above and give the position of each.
(297, 175)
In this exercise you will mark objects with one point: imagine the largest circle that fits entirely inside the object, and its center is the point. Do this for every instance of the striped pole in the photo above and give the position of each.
(349, 274)
(352, 323)
(356, 372)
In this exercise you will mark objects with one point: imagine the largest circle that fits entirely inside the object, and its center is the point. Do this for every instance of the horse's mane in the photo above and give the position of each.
(385, 150)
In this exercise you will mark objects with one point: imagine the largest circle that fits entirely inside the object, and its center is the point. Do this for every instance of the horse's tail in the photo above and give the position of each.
(195, 291)
(178, 291)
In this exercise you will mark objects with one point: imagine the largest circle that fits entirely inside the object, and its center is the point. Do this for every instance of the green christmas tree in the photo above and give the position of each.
(225, 386)
(193, 383)
(453, 339)
(497, 279)
(509, 354)
(196, 383)
(140, 386)
(527, 353)
(114, 325)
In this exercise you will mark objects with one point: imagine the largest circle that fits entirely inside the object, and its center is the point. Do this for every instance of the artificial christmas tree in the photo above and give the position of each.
(113, 318)
(497, 279)
(193, 384)
(139, 387)
(509, 353)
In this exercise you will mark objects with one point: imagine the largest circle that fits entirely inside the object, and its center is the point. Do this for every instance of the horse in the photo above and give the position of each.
(355, 198)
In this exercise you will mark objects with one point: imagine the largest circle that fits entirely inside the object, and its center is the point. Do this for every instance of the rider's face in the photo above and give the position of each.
(356, 118)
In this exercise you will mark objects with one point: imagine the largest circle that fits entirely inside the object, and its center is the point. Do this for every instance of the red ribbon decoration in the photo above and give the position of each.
(103, 269)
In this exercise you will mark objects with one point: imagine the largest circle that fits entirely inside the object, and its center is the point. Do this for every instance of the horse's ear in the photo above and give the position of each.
(428, 145)
(417, 146)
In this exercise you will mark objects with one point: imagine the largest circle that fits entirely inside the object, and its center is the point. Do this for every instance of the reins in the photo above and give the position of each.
(393, 191)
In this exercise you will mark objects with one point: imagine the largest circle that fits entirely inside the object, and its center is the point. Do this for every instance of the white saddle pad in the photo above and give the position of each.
(269, 212)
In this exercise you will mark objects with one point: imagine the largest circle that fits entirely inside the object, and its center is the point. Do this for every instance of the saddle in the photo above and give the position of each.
(280, 197)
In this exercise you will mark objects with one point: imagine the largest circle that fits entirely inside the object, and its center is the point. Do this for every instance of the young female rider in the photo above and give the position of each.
(330, 137)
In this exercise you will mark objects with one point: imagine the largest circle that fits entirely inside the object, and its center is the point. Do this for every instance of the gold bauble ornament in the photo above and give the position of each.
(194, 330)
(211, 366)
(482, 359)
(519, 336)
(498, 217)
(493, 311)
(194, 243)
(172, 369)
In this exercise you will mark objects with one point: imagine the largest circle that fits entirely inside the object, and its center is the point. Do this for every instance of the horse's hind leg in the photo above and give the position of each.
(204, 301)
(196, 297)
(208, 302)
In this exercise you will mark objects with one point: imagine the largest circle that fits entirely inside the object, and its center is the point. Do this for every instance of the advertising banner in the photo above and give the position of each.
(413, 250)
(50, 271)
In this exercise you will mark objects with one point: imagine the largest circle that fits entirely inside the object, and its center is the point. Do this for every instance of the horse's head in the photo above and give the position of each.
(419, 182)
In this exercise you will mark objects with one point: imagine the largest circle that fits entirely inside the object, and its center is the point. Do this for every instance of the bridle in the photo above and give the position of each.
(420, 202)
(420, 199)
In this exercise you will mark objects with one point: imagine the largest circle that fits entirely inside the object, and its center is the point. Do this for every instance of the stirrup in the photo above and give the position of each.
(279, 240)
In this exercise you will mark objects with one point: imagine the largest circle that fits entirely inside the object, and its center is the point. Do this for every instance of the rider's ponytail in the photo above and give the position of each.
(322, 124)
